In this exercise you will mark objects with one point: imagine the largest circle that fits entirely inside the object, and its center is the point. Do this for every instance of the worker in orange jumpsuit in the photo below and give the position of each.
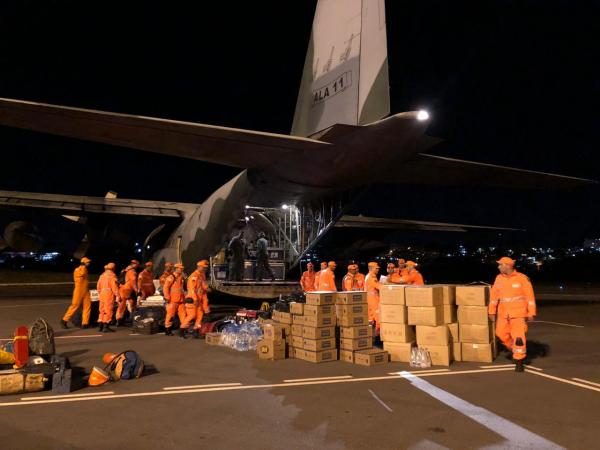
(512, 303)
(168, 271)
(81, 295)
(307, 281)
(318, 274)
(390, 270)
(402, 270)
(174, 295)
(128, 291)
(413, 277)
(359, 279)
(372, 285)
(197, 290)
(327, 278)
(108, 292)
(353, 280)
(145, 281)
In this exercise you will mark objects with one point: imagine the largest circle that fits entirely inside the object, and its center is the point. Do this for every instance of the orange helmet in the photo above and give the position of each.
(203, 263)
(149, 264)
(110, 266)
(506, 260)
(108, 357)
(411, 263)
(98, 377)
(85, 260)
(373, 265)
(179, 266)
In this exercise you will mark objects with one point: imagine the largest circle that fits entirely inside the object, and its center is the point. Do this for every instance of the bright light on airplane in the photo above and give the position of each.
(422, 115)
(284, 206)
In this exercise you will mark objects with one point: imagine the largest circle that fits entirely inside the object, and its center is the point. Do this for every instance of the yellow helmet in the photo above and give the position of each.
(98, 377)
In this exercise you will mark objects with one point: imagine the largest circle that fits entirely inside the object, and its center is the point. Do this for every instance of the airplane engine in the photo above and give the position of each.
(23, 236)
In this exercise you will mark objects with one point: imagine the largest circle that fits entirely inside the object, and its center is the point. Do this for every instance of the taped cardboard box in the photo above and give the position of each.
(353, 321)
(424, 296)
(297, 342)
(319, 311)
(457, 351)
(297, 308)
(318, 333)
(347, 356)
(320, 298)
(397, 332)
(365, 331)
(432, 316)
(477, 352)
(351, 297)
(356, 310)
(453, 330)
(392, 294)
(268, 349)
(473, 315)
(371, 357)
(213, 338)
(282, 317)
(441, 355)
(399, 351)
(449, 313)
(317, 345)
(273, 331)
(439, 335)
(297, 329)
(318, 357)
(449, 294)
(475, 334)
(393, 313)
(472, 295)
(319, 321)
(289, 339)
(356, 344)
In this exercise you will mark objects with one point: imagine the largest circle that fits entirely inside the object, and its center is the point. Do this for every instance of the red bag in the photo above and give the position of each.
(21, 347)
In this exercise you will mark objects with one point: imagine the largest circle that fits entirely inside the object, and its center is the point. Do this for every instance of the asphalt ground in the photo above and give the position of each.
(200, 396)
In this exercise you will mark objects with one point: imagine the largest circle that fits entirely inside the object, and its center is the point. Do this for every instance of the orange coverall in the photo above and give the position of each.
(353, 282)
(327, 281)
(414, 278)
(372, 286)
(127, 293)
(108, 290)
(513, 301)
(197, 288)
(307, 281)
(81, 294)
(164, 277)
(174, 295)
(145, 283)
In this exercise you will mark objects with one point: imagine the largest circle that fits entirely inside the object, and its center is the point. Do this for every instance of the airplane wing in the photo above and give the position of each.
(84, 206)
(402, 224)
(221, 145)
(440, 170)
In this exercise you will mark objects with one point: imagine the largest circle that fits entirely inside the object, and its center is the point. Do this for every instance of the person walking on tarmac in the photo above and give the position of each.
(197, 290)
(108, 292)
(145, 281)
(318, 274)
(372, 285)
(174, 295)
(327, 278)
(237, 249)
(512, 304)
(262, 258)
(127, 291)
(168, 271)
(307, 281)
(81, 295)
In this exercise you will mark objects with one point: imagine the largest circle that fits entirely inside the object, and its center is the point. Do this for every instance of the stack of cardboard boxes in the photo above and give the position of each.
(475, 329)
(272, 345)
(398, 337)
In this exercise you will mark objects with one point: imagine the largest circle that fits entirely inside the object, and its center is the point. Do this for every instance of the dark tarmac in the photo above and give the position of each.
(227, 399)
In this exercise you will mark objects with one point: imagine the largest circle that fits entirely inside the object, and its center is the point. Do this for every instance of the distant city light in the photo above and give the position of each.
(422, 115)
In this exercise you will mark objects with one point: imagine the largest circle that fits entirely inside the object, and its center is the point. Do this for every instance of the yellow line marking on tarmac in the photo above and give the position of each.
(533, 367)
(198, 386)
(563, 380)
(76, 336)
(416, 372)
(317, 379)
(243, 387)
(586, 381)
(67, 396)
(499, 365)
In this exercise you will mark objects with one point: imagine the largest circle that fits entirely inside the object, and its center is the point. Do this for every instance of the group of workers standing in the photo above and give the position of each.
(185, 296)
(238, 251)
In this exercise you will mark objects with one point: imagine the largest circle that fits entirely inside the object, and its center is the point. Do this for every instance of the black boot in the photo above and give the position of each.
(196, 334)
(519, 367)
(107, 329)
(84, 327)
(63, 324)
(168, 332)
(119, 323)
(100, 326)
(182, 333)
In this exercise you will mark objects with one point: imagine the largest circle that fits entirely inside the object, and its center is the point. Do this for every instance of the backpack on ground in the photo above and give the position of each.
(126, 365)
(41, 338)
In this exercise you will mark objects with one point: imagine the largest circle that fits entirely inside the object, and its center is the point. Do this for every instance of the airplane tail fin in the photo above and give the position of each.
(345, 77)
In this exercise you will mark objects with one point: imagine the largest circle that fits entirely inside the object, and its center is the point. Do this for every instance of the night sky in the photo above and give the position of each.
(507, 82)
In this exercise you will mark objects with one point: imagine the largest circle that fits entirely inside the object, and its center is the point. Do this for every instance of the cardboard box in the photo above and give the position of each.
(289, 339)
(317, 345)
(318, 333)
(449, 294)
(317, 357)
(473, 315)
(457, 351)
(453, 330)
(268, 349)
(290, 352)
(356, 344)
(393, 313)
(319, 321)
(433, 335)
(449, 313)
(353, 321)
(320, 298)
(365, 331)
(347, 356)
(297, 342)
(397, 332)
(351, 297)
(371, 357)
(356, 310)
(297, 308)
(472, 295)
(213, 338)
(475, 334)
(441, 355)
(424, 296)
(477, 352)
(399, 351)
(297, 329)
(392, 294)
(273, 331)
(319, 310)
(297, 319)
(282, 317)
(432, 316)
(287, 329)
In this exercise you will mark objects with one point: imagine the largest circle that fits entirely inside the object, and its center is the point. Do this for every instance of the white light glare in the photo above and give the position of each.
(284, 206)
(422, 115)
